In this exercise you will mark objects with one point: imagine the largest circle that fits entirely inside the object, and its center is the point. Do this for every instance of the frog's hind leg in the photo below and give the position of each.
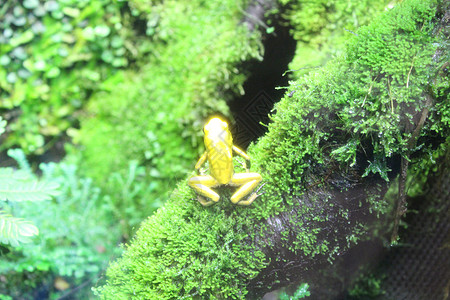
(204, 201)
(247, 183)
(202, 184)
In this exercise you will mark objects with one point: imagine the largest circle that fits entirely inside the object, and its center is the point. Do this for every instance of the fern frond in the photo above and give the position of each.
(19, 156)
(11, 175)
(27, 190)
(15, 230)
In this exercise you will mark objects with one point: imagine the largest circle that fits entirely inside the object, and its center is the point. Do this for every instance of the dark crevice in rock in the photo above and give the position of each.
(253, 108)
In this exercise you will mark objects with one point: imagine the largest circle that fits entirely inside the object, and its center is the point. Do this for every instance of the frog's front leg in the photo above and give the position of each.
(247, 183)
(202, 184)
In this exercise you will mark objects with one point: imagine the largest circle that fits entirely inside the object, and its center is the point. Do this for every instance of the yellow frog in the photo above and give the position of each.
(219, 153)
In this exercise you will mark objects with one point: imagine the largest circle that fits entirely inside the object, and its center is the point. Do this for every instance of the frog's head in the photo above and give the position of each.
(217, 131)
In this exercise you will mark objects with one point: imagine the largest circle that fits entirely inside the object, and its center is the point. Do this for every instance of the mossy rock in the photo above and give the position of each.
(327, 160)
(322, 28)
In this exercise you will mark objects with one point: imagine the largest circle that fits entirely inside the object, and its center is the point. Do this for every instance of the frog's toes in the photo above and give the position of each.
(204, 201)
(259, 188)
(249, 200)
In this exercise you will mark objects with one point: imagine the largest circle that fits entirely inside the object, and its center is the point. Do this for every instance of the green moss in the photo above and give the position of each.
(203, 253)
(186, 250)
(363, 94)
(322, 28)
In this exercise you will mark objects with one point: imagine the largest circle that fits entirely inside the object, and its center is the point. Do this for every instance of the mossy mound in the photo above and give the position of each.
(335, 132)
(202, 253)
(367, 101)
(322, 28)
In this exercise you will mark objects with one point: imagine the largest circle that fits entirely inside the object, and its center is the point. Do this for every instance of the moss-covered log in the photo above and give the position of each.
(335, 144)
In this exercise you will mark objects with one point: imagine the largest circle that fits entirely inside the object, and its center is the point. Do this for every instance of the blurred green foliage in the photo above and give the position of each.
(20, 186)
(53, 55)
(77, 237)
(128, 197)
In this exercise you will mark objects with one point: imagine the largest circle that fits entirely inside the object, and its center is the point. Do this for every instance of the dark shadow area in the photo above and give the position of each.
(253, 108)
(418, 267)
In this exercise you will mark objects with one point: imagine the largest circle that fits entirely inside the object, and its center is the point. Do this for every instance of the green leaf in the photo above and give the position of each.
(11, 77)
(377, 166)
(30, 4)
(347, 152)
(22, 39)
(117, 42)
(102, 30)
(119, 62)
(15, 230)
(71, 12)
(5, 60)
(89, 33)
(9, 175)
(107, 56)
(19, 156)
(301, 292)
(53, 72)
(27, 190)
(40, 65)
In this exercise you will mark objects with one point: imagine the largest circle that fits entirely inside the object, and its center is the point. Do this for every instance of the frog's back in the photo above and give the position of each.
(221, 163)
(219, 144)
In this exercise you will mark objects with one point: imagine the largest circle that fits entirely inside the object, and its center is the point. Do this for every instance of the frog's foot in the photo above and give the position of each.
(249, 200)
(247, 182)
(252, 197)
(202, 184)
(204, 201)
